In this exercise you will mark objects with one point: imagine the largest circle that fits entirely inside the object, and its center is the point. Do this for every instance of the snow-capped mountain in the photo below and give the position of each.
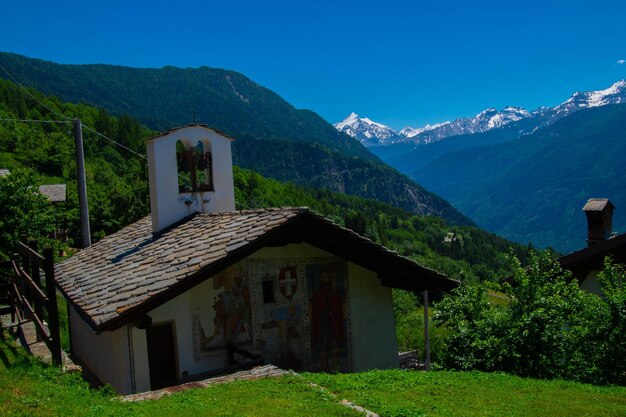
(483, 121)
(410, 132)
(371, 133)
(375, 134)
(367, 131)
(615, 94)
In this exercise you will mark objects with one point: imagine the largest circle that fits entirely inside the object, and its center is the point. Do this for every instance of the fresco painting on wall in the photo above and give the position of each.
(327, 314)
(281, 328)
(293, 312)
(229, 319)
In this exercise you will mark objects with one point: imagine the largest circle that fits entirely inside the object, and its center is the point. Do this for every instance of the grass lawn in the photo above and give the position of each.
(28, 388)
(444, 393)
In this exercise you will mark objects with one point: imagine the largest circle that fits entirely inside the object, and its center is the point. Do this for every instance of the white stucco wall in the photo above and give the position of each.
(139, 353)
(374, 338)
(180, 311)
(106, 354)
(167, 205)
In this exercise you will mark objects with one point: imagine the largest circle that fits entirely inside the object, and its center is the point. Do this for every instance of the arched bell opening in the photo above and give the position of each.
(194, 167)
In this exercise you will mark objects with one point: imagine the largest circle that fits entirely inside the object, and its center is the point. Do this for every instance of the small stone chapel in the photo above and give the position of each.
(198, 289)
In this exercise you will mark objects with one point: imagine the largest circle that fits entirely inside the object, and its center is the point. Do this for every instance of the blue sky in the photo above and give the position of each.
(399, 63)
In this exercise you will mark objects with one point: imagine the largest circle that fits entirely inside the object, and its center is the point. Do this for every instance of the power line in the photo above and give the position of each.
(115, 142)
(70, 120)
(243, 205)
(85, 126)
(32, 96)
(35, 121)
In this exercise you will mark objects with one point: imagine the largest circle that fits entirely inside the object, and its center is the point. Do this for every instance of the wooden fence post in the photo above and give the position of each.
(25, 266)
(35, 275)
(13, 296)
(53, 313)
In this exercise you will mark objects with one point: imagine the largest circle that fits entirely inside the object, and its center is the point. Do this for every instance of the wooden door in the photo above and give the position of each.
(162, 356)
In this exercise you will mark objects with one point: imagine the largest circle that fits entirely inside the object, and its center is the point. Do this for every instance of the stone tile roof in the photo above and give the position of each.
(126, 271)
(597, 204)
(56, 193)
(592, 257)
(130, 266)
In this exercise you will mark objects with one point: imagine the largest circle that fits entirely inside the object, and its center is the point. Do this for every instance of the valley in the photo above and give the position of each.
(524, 176)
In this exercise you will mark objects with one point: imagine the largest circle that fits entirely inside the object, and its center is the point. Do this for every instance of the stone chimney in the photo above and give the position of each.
(599, 212)
(190, 171)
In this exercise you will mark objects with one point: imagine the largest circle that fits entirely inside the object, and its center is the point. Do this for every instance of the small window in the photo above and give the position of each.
(268, 292)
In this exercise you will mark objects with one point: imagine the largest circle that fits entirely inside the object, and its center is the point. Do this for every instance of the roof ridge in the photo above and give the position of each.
(204, 125)
(259, 210)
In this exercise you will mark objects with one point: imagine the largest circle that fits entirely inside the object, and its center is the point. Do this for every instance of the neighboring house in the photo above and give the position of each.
(198, 288)
(585, 264)
(56, 193)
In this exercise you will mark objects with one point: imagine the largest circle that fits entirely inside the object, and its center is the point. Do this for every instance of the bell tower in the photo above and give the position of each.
(190, 171)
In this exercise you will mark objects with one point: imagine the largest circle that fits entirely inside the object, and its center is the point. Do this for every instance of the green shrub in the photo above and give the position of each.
(613, 361)
(550, 328)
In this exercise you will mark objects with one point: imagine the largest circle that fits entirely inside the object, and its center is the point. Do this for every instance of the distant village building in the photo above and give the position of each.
(55, 193)
(198, 289)
(450, 237)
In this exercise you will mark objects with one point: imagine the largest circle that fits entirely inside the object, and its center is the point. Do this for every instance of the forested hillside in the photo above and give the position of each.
(168, 97)
(273, 137)
(118, 192)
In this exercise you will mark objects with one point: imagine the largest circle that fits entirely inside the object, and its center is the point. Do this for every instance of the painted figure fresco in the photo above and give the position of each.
(293, 313)
(328, 322)
(232, 318)
(289, 320)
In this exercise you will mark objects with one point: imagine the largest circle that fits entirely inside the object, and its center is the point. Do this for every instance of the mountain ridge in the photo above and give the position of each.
(273, 137)
(484, 121)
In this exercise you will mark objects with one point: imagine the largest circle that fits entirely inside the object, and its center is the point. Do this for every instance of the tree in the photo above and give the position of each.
(548, 327)
(23, 210)
(552, 325)
(475, 329)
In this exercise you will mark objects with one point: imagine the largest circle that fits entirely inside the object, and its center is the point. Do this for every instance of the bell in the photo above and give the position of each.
(202, 162)
(184, 165)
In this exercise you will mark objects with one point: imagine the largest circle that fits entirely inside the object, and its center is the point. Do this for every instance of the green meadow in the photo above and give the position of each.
(30, 388)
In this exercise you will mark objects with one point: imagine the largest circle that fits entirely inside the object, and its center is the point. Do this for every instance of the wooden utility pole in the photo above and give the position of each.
(426, 332)
(82, 185)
